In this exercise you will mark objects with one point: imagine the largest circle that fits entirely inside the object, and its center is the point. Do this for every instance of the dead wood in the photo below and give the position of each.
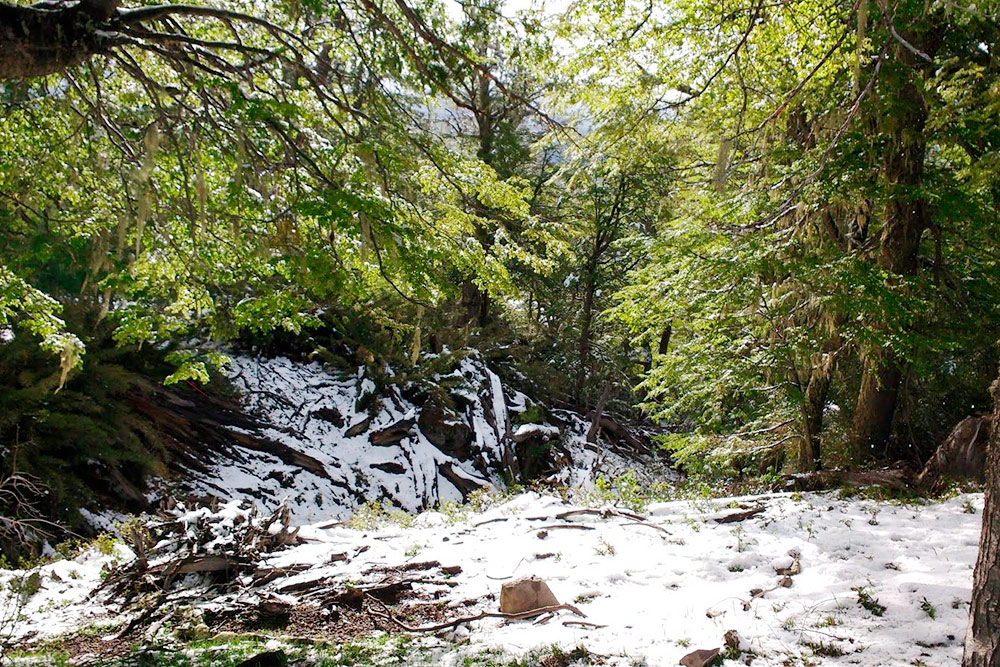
(561, 526)
(197, 432)
(604, 513)
(622, 434)
(740, 516)
(894, 478)
(961, 455)
(318, 583)
(265, 575)
(386, 614)
(583, 624)
(489, 521)
(394, 434)
(648, 525)
(405, 567)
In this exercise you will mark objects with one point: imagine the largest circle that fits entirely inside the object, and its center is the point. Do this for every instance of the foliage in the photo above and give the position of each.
(774, 263)
(770, 227)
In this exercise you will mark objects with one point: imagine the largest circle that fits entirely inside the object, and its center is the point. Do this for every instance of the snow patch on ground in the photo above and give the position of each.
(661, 588)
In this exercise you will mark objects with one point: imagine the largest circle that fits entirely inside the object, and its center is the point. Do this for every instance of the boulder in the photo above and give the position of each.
(526, 594)
(446, 431)
(962, 454)
(701, 657)
(392, 435)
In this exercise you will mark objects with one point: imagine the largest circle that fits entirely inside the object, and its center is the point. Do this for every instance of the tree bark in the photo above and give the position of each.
(982, 640)
(664, 344)
(595, 422)
(45, 38)
(876, 405)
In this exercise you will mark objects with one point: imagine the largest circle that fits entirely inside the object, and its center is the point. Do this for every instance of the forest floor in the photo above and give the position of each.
(799, 579)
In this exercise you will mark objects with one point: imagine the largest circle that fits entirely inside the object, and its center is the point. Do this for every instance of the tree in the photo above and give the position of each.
(246, 166)
(496, 107)
(982, 641)
(814, 234)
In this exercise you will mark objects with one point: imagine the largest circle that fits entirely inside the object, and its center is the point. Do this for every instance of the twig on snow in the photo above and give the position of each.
(387, 614)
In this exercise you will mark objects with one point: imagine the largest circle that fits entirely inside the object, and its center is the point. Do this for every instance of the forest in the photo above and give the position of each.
(280, 277)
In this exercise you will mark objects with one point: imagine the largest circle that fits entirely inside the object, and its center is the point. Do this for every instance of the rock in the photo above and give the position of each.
(394, 434)
(962, 454)
(525, 594)
(266, 659)
(700, 658)
(786, 568)
(446, 431)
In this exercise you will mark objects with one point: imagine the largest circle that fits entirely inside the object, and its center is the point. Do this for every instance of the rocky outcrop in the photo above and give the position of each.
(447, 430)
(962, 454)
(329, 440)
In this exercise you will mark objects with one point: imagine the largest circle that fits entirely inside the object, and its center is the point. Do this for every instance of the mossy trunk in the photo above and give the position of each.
(904, 116)
(813, 404)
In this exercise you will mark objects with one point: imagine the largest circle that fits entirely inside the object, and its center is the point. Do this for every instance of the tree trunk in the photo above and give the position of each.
(813, 403)
(587, 319)
(583, 347)
(905, 219)
(665, 340)
(876, 405)
(982, 640)
(595, 423)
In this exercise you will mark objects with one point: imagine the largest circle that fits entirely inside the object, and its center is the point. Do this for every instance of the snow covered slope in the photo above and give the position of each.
(870, 583)
(407, 443)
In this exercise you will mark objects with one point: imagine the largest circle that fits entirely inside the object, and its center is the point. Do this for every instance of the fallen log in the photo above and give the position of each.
(895, 478)
(740, 516)
(394, 434)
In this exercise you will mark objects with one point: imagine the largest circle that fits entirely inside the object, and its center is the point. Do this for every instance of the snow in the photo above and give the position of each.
(103, 520)
(63, 601)
(659, 593)
(289, 396)
(295, 401)
(527, 430)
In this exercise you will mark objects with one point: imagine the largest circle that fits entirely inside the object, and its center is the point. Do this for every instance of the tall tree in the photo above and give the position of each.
(829, 218)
